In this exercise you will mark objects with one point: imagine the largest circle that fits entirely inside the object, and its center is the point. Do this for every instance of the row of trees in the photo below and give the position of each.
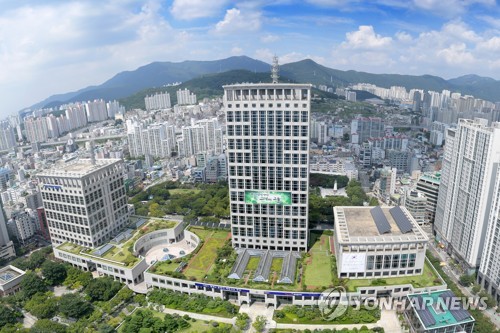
(207, 200)
(321, 209)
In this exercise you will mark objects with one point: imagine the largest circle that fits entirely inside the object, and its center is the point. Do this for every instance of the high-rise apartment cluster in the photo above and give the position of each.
(6, 245)
(185, 97)
(468, 202)
(268, 159)
(7, 136)
(157, 140)
(204, 136)
(158, 101)
(40, 129)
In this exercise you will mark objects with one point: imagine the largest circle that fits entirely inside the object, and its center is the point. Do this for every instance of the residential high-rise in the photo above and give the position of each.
(268, 160)
(185, 97)
(363, 128)
(471, 156)
(158, 101)
(6, 245)
(7, 137)
(85, 201)
(96, 110)
(489, 269)
(428, 184)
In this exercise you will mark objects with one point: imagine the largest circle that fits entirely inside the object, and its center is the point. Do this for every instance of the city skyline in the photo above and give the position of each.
(55, 47)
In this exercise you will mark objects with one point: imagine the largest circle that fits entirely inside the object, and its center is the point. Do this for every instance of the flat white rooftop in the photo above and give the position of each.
(9, 273)
(78, 168)
(358, 225)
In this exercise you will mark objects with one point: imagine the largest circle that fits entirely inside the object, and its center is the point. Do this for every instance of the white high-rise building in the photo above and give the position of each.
(471, 158)
(6, 245)
(84, 201)
(114, 108)
(7, 137)
(185, 97)
(36, 129)
(268, 162)
(22, 225)
(157, 140)
(158, 101)
(489, 269)
(96, 111)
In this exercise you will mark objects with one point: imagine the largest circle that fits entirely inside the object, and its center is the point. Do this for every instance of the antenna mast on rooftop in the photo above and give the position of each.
(275, 70)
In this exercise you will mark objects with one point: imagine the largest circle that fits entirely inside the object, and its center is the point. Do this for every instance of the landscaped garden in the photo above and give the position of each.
(292, 314)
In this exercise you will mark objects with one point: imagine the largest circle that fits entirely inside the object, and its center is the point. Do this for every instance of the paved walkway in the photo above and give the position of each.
(200, 316)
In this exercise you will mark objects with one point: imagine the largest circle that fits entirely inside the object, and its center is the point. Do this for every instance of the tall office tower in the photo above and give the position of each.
(489, 269)
(96, 110)
(6, 245)
(428, 184)
(185, 97)
(85, 201)
(7, 137)
(158, 101)
(268, 159)
(417, 101)
(365, 128)
(471, 156)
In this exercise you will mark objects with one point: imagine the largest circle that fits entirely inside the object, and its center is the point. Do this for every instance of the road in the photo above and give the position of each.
(454, 276)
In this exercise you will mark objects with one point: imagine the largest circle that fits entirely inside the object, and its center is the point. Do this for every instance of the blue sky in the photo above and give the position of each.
(49, 47)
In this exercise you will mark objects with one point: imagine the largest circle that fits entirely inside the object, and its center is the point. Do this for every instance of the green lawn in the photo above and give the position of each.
(175, 191)
(318, 267)
(253, 263)
(202, 326)
(199, 266)
(163, 266)
(201, 232)
(427, 279)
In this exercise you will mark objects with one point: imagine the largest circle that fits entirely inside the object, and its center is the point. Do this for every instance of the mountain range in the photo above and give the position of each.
(158, 74)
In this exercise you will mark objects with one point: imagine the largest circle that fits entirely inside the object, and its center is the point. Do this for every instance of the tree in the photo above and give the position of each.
(242, 321)
(77, 278)
(46, 325)
(74, 306)
(105, 328)
(7, 316)
(54, 273)
(36, 259)
(42, 306)
(31, 285)
(102, 289)
(260, 323)
(466, 280)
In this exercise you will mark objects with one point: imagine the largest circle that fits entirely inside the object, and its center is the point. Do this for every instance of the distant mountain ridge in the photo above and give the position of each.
(158, 74)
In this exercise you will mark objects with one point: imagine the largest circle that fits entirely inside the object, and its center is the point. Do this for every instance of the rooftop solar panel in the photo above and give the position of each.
(455, 308)
(381, 222)
(424, 313)
(401, 219)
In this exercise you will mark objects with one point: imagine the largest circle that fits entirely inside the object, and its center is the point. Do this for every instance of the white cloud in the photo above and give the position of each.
(492, 44)
(237, 20)
(269, 38)
(194, 9)
(365, 38)
(265, 55)
(449, 8)
(403, 37)
(456, 54)
(236, 51)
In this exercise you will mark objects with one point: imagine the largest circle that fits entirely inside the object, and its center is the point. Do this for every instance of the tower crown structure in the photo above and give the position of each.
(275, 70)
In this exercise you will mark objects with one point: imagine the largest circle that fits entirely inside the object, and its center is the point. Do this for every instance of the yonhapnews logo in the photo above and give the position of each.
(333, 303)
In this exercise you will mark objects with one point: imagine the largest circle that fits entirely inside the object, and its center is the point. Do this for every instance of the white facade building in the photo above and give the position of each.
(85, 201)
(268, 159)
(378, 242)
(471, 156)
(158, 101)
(185, 97)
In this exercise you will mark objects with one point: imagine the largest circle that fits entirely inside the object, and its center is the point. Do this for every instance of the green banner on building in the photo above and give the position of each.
(268, 198)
